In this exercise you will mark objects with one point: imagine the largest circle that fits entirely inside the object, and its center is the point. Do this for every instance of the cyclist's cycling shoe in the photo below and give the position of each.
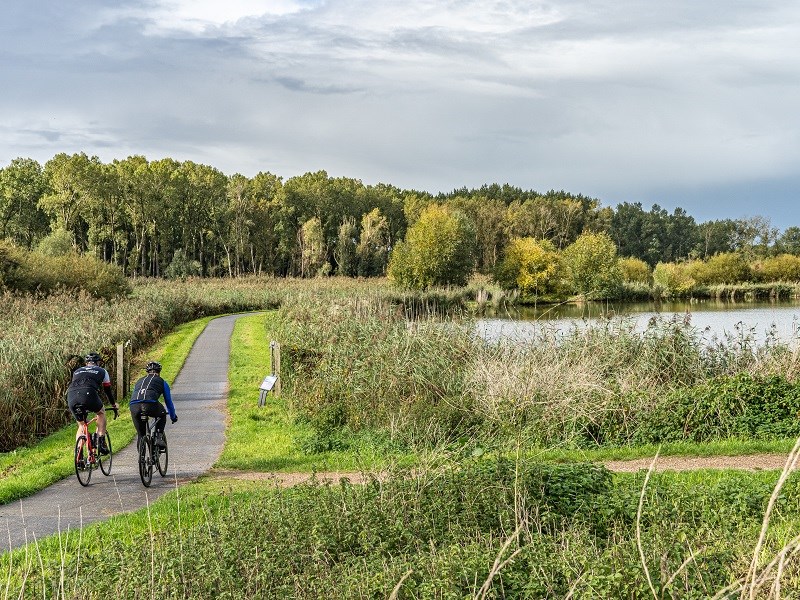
(160, 442)
(103, 447)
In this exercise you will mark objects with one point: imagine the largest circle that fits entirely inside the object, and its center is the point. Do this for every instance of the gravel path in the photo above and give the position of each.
(752, 462)
(200, 394)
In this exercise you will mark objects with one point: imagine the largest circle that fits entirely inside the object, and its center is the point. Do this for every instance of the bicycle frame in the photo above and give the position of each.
(83, 430)
(150, 455)
(87, 456)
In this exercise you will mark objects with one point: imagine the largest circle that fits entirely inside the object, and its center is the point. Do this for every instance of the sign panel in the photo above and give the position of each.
(268, 383)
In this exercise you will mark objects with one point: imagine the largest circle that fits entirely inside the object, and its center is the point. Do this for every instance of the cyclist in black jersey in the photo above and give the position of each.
(144, 400)
(83, 394)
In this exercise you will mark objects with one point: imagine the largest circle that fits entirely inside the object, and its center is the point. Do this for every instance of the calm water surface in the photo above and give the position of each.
(715, 319)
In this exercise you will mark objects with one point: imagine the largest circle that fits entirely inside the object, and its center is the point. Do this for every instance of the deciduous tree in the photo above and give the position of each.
(439, 250)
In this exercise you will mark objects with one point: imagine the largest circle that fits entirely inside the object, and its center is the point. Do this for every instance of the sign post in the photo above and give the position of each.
(120, 372)
(272, 382)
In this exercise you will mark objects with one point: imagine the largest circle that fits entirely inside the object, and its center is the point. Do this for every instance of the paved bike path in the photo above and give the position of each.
(200, 393)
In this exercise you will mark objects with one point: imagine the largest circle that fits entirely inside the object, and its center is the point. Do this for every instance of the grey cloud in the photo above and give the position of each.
(690, 96)
(48, 134)
(298, 85)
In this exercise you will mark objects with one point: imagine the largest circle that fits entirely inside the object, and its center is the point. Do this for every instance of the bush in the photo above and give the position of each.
(34, 272)
(634, 270)
(182, 266)
(591, 266)
(785, 267)
(673, 279)
(58, 243)
(743, 406)
(10, 264)
(727, 267)
(528, 265)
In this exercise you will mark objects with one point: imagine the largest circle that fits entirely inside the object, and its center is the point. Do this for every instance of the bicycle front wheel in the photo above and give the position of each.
(105, 461)
(146, 460)
(83, 469)
(162, 456)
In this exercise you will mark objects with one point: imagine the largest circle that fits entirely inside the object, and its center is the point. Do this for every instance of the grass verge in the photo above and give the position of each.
(25, 471)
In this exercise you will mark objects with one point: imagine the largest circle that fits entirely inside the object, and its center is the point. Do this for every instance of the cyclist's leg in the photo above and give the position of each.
(161, 417)
(141, 429)
(94, 404)
(156, 410)
(76, 401)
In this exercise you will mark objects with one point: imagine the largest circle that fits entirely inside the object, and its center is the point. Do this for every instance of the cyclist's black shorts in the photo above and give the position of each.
(151, 409)
(82, 401)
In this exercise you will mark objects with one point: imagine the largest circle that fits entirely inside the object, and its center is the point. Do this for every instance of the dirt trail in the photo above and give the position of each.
(751, 462)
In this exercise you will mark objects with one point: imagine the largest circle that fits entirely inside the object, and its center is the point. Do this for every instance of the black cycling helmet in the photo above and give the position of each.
(93, 357)
(153, 366)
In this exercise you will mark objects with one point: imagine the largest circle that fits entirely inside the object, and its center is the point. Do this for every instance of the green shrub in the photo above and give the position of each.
(591, 267)
(10, 265)
(673, 279)
(742, 406)
(784, 267)
(58, 243)
(439, 249)
(35, 272)
(634, 270)
(528, 265)
(727, 267)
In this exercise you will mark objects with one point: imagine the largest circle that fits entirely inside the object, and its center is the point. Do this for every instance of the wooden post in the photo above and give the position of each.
(120, 372)
(276, 362)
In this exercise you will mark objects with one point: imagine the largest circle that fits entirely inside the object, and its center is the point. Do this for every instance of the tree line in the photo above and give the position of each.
(170, 218)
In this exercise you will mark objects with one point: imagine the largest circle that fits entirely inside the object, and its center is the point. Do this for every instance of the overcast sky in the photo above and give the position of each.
(683, 103)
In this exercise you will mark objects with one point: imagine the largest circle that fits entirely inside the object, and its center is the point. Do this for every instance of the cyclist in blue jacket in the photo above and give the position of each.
(144, 400)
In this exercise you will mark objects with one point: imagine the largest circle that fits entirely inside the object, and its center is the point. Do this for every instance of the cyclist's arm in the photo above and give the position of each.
(108, 389)
(168, 402)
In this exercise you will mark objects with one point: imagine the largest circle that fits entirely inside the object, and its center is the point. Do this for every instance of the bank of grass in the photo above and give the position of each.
(27, 470)
(274, 437)
(550, 531)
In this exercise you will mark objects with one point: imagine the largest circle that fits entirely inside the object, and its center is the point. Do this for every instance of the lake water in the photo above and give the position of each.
(715, 319)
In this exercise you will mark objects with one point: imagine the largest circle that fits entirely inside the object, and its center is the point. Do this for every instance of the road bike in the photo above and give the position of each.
(87, 456)
(150, 454)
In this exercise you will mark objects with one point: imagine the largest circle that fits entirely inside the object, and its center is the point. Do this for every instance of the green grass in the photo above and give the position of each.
(25, 471)
(268, 439)
(238, 539)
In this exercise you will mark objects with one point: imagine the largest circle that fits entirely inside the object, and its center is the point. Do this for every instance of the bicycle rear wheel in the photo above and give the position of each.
(105, 461)
(83, 469)
(146, 460)
(162, 456)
